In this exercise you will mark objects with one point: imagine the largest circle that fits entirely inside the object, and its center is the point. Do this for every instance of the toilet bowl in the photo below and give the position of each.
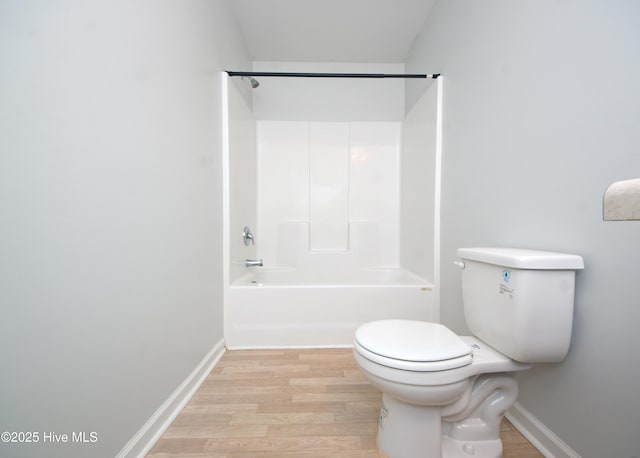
(428, 388)
(444, 395)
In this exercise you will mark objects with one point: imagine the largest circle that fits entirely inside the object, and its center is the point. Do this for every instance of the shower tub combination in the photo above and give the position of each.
(334, 204)
(297, 308)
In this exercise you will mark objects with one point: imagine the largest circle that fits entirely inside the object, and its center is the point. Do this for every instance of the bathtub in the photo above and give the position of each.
(291, 308)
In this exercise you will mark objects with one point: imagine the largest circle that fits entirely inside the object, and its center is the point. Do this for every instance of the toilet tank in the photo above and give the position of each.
(520, 302)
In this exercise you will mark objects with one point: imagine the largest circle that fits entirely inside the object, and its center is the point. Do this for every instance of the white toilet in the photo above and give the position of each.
(445, 395)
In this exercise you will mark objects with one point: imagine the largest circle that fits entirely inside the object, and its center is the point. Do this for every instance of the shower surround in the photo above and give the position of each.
(324, 201)
(339, 181)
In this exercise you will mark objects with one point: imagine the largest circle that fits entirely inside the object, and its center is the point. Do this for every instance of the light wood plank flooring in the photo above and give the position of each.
(288, 403)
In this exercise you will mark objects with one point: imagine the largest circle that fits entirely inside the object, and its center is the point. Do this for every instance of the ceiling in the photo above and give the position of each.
(371, 31)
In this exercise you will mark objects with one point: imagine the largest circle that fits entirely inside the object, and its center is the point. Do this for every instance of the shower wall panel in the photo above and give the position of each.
(375, 187)
(328, 186)
(419, 174)
(283, 189)
(328, 193)
(242, 181)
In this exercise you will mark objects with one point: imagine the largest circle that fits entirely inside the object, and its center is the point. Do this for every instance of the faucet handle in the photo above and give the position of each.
(247, 236)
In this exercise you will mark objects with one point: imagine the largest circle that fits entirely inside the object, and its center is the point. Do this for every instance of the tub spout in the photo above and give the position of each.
(253, 263)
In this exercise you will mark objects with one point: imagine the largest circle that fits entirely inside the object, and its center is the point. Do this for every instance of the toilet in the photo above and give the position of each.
(444, 395)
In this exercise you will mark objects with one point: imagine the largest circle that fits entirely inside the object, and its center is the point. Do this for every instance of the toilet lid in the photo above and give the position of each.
(413, 345)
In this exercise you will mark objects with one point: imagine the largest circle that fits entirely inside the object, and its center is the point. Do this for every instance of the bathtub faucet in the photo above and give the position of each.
(247, 236)
(253, 263)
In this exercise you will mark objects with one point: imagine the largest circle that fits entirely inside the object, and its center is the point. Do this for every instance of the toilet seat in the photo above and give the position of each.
(412, 345)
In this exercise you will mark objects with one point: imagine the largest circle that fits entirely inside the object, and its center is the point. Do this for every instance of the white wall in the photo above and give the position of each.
(242, 182)
(541, 109)
(418, 181)
(110, 229)
(328, 99)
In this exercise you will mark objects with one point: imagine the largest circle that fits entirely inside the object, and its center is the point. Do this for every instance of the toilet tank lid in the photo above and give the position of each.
(519, 258)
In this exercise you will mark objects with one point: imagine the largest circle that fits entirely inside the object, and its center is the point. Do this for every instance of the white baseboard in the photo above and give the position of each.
(541, 437)
(150, 432)
(285, 347)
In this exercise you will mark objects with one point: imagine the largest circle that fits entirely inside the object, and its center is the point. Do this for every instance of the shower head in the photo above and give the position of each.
(254, 82)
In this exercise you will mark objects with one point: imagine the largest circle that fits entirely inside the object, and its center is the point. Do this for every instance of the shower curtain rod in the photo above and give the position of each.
(334, 75)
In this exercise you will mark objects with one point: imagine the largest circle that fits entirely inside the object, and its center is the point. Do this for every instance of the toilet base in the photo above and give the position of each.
(469, 428)
(409, 430)
(452, 448)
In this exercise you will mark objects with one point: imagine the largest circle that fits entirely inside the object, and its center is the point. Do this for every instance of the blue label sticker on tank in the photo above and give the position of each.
(506, 275)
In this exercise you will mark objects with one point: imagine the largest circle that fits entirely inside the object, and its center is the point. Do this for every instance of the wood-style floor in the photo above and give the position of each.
(288, 403)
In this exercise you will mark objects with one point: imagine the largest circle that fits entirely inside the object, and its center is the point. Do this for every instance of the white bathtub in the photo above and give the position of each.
(288, 308)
